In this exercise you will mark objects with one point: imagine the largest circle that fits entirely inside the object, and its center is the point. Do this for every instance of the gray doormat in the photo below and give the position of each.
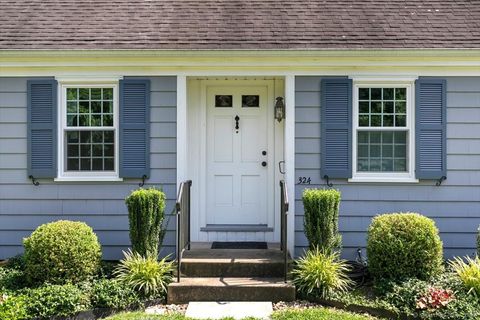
(239, 245)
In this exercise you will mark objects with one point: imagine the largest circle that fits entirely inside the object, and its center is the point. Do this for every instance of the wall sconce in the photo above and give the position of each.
(279, 109)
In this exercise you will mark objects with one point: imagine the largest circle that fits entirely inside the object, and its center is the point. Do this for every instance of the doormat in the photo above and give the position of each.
(239, 245)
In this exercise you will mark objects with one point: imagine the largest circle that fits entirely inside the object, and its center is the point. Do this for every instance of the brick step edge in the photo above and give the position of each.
(100, 313)
(356, 308)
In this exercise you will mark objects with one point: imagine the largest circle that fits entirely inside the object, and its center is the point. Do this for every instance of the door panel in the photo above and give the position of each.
(237, 134)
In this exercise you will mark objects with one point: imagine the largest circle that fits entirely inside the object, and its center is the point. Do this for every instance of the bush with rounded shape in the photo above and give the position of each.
(402, 246)
(145, 274)
(61, 252)
(319, 274)
(146, 212)
(321, 218)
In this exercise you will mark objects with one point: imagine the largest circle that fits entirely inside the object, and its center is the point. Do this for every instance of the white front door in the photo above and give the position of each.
(239, 156)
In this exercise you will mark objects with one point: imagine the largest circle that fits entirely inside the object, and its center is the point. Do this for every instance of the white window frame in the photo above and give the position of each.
(64, 175)
(401, 177)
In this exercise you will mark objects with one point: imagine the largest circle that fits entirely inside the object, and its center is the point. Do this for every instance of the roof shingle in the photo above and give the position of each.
(235, 24)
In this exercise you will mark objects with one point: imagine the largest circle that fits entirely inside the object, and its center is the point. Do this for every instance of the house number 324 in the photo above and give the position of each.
(304, 180)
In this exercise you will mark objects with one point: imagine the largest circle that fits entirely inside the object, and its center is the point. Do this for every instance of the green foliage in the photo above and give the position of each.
(145, 274)
(60, 252)
(17, 262)
(113, 294)
(402, 246)
(13, 307)
(146, 213)
(56, 300)
(469, 273)
(11, 279)
(478, 242)
(319, 274)
(321, 218)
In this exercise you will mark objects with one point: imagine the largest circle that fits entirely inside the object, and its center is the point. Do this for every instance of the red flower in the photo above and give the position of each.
(435, 298)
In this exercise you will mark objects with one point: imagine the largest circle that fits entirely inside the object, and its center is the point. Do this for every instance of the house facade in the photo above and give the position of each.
(225, 95)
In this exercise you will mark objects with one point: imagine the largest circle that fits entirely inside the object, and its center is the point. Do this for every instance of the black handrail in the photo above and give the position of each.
(182, 207)
(283, 224)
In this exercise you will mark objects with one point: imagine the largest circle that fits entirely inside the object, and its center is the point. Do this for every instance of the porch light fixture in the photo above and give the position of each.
(279, 109)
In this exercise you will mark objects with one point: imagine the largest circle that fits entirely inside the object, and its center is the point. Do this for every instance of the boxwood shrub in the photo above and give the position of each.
(110, 293)
(402, 246)
(61, 252)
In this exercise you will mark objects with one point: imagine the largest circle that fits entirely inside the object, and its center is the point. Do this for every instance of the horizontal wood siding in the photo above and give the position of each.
(23, 207)
(455, 205)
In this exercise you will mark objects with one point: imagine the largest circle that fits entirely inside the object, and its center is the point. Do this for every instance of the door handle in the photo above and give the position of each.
(264, 163)
(237, 119)
(280, 165)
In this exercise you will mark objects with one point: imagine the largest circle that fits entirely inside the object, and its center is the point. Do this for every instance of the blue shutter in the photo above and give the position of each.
(134, 128)
(430, 128)
(42, 128)
(336, 136)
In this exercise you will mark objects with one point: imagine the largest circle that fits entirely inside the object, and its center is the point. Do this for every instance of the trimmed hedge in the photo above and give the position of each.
(61, 252)
(146, 213)
(321, 219)
(402, 246)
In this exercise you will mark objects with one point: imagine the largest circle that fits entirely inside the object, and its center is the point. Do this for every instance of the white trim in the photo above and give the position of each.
(94, 79)
(379, 79)
(99, 176)
(289, 151)
(182, 127)
(387, 177)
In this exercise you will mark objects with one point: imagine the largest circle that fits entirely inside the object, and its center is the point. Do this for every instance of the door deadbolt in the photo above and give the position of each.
(264, 163)
(264, 153)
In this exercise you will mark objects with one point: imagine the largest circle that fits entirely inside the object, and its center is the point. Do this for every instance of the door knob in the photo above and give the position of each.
(264, 163)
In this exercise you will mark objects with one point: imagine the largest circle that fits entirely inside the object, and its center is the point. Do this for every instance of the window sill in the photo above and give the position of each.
(88, 179)
(383, 180)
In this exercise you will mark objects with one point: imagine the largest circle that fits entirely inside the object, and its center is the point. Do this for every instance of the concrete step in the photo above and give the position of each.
(230, 289)
(233, 263)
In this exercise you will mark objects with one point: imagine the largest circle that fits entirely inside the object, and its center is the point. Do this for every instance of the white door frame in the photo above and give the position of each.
(288, 143)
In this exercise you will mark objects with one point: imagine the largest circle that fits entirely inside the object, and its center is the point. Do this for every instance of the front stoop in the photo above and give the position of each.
(231, 275)
(230, 289)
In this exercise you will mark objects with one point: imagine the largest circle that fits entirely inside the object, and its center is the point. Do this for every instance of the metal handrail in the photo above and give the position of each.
(182, 207)
(283, 224)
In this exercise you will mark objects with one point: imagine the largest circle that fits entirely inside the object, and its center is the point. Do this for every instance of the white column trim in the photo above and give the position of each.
(289, 151)
(182, 155)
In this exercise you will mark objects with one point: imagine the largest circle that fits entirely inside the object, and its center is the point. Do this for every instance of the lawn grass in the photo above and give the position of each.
(306, 314)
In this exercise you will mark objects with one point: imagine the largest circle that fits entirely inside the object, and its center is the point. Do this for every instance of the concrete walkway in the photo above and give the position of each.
(236, 310)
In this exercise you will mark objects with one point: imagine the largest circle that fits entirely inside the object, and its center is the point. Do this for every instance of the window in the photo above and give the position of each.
(88, 132)
(383, 134)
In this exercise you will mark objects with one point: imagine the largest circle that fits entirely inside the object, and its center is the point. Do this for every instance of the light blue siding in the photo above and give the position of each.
(455, 206)
(23, 206)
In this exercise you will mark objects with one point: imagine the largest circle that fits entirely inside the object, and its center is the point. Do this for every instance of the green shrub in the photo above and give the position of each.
(56, 300)
(13, 307)
(321, 218)
(319, 274)
(11, 279)
(145, 274)
(17, 262)
(60, 252)
(469, 273)
(113, 294)
(402, 246)
(146, 213)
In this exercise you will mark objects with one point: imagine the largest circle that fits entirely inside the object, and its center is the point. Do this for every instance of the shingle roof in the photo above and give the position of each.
(235, 24)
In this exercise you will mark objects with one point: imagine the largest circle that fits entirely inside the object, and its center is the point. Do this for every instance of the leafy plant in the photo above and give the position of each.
(435, 299)
(145, 274)
(321, 218)
(402, 246)
(13, 307)
(469, 273)
(17, 262)
(113, 294)
(478, 241)
(56, 300)
(11, 279)
(61, 252)
(319, 274)
(146, 215)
